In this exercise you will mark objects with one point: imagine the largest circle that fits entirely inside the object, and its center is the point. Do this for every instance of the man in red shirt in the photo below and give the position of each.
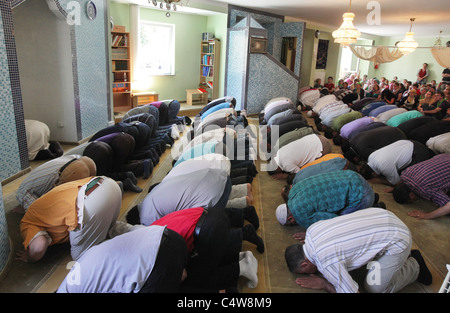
(213, 247)
(329, 85)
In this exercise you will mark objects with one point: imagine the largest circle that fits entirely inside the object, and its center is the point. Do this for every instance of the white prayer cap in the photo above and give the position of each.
(281, 214)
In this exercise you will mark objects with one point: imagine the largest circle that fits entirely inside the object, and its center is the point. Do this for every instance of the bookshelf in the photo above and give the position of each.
(209, 67)
(121, 65)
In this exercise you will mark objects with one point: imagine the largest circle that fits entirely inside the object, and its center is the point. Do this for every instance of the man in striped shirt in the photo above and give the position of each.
(55, 172)
(429, 180)
(374, 237)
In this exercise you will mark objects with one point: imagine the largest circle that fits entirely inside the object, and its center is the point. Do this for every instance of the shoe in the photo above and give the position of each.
(424, 273)
(249, 234)
(381, 205)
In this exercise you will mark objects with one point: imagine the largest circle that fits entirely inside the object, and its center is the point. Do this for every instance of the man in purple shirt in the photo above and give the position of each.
(429, 180)
(348, 128)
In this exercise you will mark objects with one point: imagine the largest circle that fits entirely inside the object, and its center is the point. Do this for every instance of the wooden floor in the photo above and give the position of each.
(431, 237)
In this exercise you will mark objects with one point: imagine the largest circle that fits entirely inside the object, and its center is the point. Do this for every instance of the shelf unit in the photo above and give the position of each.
(121, 65)
(209, 67)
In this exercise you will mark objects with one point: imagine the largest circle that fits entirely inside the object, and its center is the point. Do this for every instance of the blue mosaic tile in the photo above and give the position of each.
(268, 81)
(254, 79)
(5, 248)
(12, 143)
(91, 70)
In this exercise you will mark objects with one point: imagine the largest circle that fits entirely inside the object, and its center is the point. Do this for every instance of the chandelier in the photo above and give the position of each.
(408, 44)
(347, 33)
(168, 5)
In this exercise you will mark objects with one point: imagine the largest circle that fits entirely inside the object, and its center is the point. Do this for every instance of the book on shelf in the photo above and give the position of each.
(119, 41)
(209, 84)
(206, 70)
(202, 90)
(208, 60)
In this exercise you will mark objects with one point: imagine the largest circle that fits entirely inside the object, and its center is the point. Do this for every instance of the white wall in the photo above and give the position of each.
(45, 68)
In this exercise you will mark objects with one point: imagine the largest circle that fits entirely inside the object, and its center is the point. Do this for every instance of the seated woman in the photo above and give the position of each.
(410, 102)
(375, 92)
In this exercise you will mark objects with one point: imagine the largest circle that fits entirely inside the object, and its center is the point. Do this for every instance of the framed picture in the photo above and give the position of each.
(322, 54)
(258, 45)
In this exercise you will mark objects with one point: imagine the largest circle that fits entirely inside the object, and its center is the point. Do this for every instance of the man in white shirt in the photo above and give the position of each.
(390, 160)
(150, 259)
(291, 157)
(377, 238)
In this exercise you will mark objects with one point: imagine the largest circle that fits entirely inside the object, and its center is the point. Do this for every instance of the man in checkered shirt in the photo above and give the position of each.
(429, 180)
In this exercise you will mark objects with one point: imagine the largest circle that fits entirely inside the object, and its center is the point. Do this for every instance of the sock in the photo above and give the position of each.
(249, 234)
(251, 216)
(121, 186)
(133, 217)
(128, 185)
(56, 148)
(424, 273)
(376, 199)
(148, 168)
(248, 267)
(131, 176)
(119, 228)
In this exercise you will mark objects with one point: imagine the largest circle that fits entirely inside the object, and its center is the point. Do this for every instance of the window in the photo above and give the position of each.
(156, 49)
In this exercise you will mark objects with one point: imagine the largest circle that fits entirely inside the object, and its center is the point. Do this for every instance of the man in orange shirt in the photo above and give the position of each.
(327, 163)
(81, 212)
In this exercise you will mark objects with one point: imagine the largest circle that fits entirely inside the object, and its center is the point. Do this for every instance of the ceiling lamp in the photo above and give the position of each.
(408, 44)
(347, 33)
(170, 4)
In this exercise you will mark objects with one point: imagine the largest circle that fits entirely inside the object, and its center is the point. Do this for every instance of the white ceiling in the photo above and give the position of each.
(432, 16)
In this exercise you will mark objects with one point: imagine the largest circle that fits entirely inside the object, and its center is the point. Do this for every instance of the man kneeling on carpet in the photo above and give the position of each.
(325, 196)
(377, 238)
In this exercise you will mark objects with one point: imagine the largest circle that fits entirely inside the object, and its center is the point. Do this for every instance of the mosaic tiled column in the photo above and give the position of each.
(5, 248)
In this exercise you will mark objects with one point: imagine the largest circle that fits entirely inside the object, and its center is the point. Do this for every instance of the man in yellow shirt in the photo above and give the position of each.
(81, 212)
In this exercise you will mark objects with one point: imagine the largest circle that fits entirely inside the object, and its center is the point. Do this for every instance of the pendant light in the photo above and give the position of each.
(347, 33)
(408, 44)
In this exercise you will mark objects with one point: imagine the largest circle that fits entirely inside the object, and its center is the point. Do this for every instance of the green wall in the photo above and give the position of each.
(188, 35)
(310, 42)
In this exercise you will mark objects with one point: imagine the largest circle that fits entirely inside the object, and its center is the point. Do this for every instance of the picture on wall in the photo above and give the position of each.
(322, 54)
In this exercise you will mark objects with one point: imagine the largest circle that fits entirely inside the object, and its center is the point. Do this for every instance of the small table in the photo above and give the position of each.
(142, 98)
(194, 96)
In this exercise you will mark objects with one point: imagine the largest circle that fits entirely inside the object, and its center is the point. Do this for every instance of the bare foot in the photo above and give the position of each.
(249, 200)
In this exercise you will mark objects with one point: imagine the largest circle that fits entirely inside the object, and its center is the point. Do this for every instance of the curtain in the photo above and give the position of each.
(442, 56)
(378, 55)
